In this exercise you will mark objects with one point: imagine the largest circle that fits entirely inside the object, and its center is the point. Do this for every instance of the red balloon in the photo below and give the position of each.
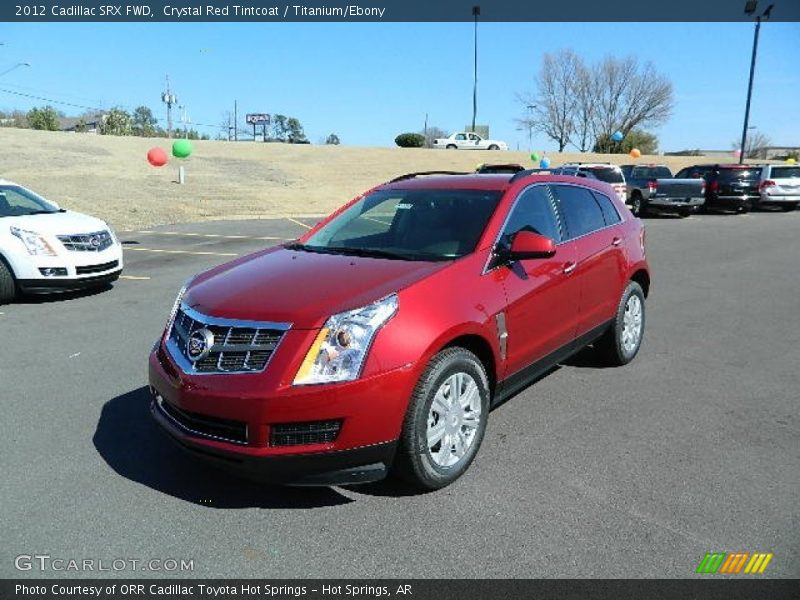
(157, 157)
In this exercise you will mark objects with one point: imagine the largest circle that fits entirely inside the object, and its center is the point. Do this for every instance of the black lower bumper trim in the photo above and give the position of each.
(342, 467)
(51, 286)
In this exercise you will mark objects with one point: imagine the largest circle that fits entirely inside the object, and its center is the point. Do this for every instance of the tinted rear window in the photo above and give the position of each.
(739, 174)
(652, 173)
(607, 175)
(785, 172)
(580, 210)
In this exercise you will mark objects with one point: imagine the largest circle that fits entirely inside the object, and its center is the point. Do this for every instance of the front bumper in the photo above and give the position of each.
(61, 284)
(369, 412)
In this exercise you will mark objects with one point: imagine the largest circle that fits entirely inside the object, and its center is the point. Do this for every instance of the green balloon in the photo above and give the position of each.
(534, 156)
(181, 148)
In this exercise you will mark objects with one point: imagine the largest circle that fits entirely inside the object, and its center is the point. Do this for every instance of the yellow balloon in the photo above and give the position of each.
(791, 161)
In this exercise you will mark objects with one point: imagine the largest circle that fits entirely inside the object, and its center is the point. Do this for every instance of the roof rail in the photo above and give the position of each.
(419, 173)
(526, 172)
(510, 168)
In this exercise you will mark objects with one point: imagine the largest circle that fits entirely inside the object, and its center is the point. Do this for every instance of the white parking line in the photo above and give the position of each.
(134, 277)
(210, 235)
(196, 252)
(298, 223)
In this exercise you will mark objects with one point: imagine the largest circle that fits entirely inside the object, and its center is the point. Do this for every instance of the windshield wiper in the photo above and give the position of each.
(40, 212)
(368, 252)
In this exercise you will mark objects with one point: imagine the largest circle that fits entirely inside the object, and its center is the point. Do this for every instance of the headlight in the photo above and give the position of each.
(340, 348)
(176, 306)
(35, 244)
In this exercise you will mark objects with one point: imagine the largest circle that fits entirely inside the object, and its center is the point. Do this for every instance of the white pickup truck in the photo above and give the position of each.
(465, 140)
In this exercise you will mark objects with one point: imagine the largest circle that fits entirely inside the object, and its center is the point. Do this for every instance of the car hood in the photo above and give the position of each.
(301, 288)
(59, 223)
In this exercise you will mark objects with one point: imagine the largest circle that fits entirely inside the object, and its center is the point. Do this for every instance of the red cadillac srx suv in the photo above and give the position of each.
(379, 340)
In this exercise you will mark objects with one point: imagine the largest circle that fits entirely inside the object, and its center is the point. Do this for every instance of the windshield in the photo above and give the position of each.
(785, 172)
(16, 201)
(408, 225)
(608, 175)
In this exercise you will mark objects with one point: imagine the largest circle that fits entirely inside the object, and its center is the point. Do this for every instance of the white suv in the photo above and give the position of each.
(44, 248)
(606, 172)
(780, 186)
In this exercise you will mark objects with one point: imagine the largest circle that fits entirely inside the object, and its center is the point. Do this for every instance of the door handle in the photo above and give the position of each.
(616, 241)
(570, 267)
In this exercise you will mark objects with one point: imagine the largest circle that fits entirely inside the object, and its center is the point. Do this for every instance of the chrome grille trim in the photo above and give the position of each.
(260, 341)
(96, 241)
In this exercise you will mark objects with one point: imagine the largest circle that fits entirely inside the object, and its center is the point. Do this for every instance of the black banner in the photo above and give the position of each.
(394, 10)
(413, 589)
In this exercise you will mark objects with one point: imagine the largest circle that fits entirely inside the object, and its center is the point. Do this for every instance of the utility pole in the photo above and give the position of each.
(476, 11)
(235, 120)
(170, 100)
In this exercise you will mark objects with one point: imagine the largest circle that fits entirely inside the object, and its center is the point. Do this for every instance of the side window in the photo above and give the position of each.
(610, 214)
(460, 137)
(581, 212)
(533, 211)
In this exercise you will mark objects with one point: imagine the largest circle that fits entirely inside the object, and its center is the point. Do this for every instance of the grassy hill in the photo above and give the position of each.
(110, 177)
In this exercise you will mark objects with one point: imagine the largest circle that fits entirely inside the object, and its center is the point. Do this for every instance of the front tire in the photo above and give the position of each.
(637, 205)
(494, 147)
(8, 285)
(445, 421)
(620, 344)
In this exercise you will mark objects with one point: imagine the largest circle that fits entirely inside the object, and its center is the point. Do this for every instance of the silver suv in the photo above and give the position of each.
(780, 186)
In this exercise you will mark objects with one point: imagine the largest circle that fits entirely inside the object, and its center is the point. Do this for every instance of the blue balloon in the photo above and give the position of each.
(544, 163)
(617, 137)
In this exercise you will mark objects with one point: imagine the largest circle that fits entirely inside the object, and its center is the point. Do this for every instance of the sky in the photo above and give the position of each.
(368, 82)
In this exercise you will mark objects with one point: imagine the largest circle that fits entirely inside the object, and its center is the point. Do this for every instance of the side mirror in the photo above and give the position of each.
(526, 245)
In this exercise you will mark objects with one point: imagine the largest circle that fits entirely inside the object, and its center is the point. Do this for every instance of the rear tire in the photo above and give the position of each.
(451, 147)
(620, 344)
(8, 285)
(684, 213)
(445, 421)
(637, 205)
(789, 207)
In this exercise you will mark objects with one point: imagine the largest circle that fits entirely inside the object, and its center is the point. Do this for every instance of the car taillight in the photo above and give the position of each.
(652, 186)
(766, 183)
(713, 186)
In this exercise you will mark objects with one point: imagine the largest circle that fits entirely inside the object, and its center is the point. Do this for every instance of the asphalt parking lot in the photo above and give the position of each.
(591, 472)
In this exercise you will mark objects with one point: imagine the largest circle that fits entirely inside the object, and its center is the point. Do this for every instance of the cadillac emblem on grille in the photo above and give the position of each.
(200, 344)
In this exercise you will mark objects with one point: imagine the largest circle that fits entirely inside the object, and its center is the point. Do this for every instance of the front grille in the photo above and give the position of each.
(97, 268)
(235, 347)
(309, 432)
(203, 425)
(87, 242)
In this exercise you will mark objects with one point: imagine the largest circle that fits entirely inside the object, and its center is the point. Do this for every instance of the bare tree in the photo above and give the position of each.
(583, 106)
(432, 133)
(628, 95)
(755, 144)
(552, 107)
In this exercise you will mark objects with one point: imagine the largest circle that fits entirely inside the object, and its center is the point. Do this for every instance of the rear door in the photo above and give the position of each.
(592, 225)
(542, 294)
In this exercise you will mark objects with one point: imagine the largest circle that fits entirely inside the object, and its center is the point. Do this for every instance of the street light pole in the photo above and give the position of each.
(530, 126)
(476, 11)
(22, 64)
(750, 8)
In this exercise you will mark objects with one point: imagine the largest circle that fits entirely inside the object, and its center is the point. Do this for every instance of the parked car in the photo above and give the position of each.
(380, 339)
(466, 140)
(728, 187)
(606, 172)
(652, 188)
(779, 185)
(44, 248)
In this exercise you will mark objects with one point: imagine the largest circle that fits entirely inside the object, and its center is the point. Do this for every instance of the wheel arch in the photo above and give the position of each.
(642, 277)
(480, 347)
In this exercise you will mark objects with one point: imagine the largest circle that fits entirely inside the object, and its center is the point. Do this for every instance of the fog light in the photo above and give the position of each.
(53, 271)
